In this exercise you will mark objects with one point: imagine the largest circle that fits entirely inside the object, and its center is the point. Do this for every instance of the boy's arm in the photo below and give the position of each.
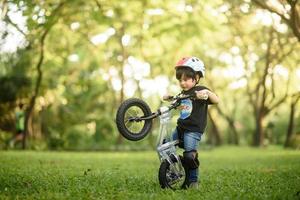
(207, 94)
(213, 97)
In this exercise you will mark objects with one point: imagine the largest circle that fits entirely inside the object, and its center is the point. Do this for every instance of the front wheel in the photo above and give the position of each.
(132, 129)
(173, 176)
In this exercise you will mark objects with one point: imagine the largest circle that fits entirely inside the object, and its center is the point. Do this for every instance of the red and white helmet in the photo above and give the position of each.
(192, 62)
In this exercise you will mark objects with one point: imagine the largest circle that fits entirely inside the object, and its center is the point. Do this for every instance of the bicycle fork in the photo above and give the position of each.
(165, 147)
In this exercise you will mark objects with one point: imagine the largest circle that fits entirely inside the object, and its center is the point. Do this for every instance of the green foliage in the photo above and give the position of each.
(14, 81)
(225, 173)
(11, 88)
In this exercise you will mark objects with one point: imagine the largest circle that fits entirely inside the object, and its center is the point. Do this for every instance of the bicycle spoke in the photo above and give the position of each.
(133, 126)
(175, 181)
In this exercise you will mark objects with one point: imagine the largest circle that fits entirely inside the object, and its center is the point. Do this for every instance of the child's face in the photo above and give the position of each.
(186, 83)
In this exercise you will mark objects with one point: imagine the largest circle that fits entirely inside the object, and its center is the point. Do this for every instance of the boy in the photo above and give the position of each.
(193, 112)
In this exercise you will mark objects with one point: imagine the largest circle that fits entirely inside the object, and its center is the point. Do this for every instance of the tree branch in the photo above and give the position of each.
(265, 6)
(3, 7)
(278, 103)
(267, 65)
(294, 19)
(7, 19)
(278, 61)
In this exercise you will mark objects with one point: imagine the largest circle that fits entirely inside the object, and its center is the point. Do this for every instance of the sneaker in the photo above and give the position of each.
(194, 185)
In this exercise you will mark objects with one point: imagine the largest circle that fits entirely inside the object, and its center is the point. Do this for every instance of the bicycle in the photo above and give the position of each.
(134, 122)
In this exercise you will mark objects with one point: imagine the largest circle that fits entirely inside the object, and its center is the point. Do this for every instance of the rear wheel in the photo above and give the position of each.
(129, 110)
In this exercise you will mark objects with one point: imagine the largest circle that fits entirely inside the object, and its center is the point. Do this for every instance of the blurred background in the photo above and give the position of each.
(66, 65)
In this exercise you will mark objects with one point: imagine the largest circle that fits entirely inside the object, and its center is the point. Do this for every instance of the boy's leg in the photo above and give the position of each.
(191, 143)
(175, 135)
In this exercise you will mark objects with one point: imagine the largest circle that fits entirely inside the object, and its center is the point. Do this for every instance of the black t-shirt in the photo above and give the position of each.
(193, 112)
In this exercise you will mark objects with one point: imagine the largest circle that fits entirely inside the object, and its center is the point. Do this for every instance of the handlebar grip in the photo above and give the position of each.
(170, 98)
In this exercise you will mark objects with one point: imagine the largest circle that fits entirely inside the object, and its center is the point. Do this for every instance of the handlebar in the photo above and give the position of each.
(175, 103)
(181, 96)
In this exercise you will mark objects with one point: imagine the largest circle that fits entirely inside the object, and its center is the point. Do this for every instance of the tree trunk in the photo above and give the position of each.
(29, 111)
(215, 133)
(235, 138)
(259, 132)
(291, 122)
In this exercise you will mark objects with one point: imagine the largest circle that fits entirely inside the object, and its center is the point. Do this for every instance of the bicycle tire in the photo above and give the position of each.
(121, 119)
(163, 179)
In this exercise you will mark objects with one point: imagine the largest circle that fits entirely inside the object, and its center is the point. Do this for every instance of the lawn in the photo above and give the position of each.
(226, 173)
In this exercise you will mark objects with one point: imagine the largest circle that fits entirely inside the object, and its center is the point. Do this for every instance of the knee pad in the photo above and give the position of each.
(191, 159)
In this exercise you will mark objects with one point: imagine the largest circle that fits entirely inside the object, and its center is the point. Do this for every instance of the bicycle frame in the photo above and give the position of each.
(166, 148)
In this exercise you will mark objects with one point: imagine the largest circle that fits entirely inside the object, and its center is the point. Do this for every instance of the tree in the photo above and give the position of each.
(262, 64)
(294, 100)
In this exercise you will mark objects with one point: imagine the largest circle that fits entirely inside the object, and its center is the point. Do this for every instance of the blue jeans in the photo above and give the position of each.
(191, 142)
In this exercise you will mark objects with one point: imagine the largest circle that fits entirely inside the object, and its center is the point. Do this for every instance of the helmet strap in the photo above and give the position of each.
(197, 78)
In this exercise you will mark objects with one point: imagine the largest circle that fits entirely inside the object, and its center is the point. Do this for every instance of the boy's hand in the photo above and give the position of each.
(202, 94)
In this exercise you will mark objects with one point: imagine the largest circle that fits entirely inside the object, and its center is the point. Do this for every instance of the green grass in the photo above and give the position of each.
(226, 173)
